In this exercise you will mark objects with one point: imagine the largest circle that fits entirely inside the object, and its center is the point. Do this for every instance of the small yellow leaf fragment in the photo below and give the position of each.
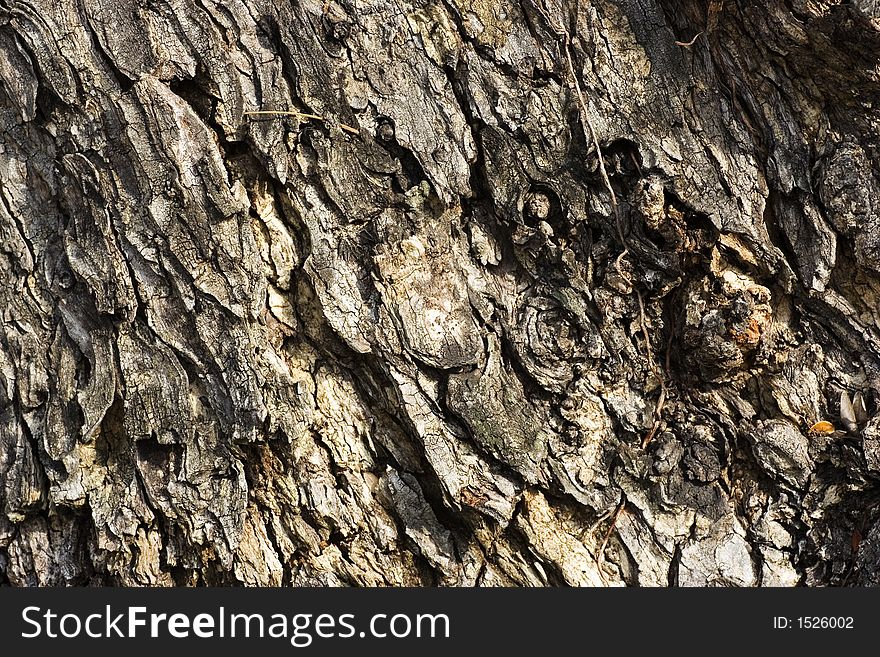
(822, 428)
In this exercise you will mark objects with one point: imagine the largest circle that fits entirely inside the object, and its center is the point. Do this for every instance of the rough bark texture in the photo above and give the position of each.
(436, 335)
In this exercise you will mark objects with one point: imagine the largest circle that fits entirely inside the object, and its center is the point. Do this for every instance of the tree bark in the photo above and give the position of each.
(543, 293)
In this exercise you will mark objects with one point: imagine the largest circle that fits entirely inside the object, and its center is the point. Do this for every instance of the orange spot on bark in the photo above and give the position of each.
(822, 428)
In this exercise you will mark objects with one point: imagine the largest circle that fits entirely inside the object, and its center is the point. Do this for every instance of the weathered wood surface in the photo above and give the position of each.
(436, 336)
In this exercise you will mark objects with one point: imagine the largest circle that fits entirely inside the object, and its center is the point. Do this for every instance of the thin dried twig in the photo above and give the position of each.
(661, 376)
(302, 115)
(688, 44)
(586, 123)
(592, 136)
(614, 518)
(600, 553)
